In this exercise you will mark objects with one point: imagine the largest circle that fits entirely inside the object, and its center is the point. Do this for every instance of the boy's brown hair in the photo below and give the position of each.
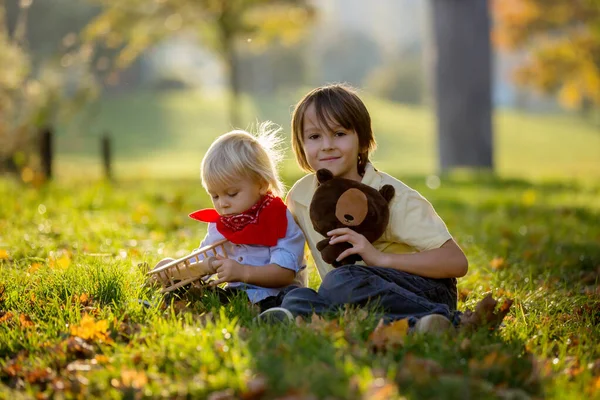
(334, 103)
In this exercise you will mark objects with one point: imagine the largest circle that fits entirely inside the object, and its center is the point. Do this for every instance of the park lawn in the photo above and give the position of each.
(164, 135)
(72, 326)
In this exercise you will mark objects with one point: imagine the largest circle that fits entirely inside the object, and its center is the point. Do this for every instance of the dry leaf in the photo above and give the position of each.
(497, 263)
(25, 321)
(5, 316)
(485, 314)
(89, 329)
(33, 267)
(391, 335)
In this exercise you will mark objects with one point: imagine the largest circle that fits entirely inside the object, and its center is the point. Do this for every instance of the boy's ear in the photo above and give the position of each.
(324, 175)
(264, 188)
(388, 192)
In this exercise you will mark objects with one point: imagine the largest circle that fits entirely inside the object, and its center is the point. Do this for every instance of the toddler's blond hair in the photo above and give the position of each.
(239, 154)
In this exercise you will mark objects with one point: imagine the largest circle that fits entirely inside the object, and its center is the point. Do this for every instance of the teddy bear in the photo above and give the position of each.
(344, 203)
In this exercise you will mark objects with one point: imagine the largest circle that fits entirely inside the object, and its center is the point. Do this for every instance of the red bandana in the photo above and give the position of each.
(262, 224)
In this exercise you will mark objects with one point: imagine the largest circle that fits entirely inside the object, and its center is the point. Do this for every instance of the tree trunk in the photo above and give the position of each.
(461, 62)
(234, 83)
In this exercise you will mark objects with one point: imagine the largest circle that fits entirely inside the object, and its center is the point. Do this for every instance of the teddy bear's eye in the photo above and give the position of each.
(348, 217)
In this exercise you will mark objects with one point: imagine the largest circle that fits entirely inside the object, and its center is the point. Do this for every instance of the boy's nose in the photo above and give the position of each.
(327, 143)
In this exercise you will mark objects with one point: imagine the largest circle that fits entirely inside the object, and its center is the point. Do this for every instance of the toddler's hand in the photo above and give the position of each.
(228, 270)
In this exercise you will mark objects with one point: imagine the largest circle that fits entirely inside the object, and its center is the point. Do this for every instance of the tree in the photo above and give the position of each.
(562, 38)
(460, 52)
(134, 25)
(33, 94)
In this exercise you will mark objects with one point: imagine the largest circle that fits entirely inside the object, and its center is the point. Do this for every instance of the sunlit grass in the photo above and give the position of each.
(165, 135)
(74, 249)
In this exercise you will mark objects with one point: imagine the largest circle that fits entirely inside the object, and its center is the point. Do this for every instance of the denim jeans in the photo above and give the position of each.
(397, 294)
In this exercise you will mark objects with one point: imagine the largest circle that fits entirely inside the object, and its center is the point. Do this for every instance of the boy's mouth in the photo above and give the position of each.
(329, 158)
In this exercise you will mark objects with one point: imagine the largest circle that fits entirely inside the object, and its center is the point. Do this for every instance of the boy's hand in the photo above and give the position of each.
(228, 270)
(360, 246)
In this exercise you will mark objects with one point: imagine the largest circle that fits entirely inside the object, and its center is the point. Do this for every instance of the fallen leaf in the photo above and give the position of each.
(89, 329)
(4, 254)
(497, 263)
(25, 321)
(5, 316)
(33, 267)
(485, 314)
(391, 335)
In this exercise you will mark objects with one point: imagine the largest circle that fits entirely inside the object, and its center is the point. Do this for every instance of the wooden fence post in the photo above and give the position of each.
(46, 151)
(106, 156)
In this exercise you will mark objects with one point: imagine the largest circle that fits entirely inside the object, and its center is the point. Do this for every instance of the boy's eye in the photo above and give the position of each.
(233, 194)
(340, 133)
(313, 136)
(215, 197)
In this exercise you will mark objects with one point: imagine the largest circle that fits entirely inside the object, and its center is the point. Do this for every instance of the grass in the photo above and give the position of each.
(71, 325)
(73, 255)
(165, 135)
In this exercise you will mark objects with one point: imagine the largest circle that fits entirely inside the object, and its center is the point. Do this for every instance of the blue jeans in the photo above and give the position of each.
(397, 294)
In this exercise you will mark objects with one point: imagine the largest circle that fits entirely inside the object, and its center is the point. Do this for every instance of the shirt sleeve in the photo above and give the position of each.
(413, 221)
(289, 251)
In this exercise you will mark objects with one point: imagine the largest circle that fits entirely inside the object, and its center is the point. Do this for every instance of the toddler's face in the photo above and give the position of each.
(237, 196)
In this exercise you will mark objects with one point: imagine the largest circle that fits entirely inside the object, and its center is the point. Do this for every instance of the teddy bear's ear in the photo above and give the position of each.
(387, 191)
(323, 175)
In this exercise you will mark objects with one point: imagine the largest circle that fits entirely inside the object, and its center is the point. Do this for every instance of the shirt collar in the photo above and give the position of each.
(371, 178)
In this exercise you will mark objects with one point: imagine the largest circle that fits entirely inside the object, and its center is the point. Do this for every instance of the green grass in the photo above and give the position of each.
(70, 239)
(165, 135)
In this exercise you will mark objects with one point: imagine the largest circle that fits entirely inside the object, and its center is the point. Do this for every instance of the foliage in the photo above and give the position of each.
(562, 38)
(76, 319)
(32, 96)
(133, 26)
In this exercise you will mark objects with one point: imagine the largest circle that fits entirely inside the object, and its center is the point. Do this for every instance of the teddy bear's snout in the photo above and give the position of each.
(351, 208)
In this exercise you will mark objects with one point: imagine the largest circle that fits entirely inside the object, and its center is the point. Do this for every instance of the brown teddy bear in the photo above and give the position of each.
(344, 203)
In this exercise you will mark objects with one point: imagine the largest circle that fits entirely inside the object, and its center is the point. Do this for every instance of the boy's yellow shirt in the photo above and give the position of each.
(414, 225)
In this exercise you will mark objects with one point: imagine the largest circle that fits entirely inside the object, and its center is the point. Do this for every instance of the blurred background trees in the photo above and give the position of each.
(133, 26)
(34, 90)
(154, 73)
(562, 41)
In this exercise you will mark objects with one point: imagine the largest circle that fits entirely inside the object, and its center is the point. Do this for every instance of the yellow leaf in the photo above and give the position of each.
(34, 267)
(497, 263)
(391, 335)
(3, 254)
(90, 329)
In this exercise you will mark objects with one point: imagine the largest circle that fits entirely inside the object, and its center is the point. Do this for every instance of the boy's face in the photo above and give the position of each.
(237, 196)
(330, 146)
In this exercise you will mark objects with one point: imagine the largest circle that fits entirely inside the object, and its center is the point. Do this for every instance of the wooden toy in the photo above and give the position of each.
(189, 269)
